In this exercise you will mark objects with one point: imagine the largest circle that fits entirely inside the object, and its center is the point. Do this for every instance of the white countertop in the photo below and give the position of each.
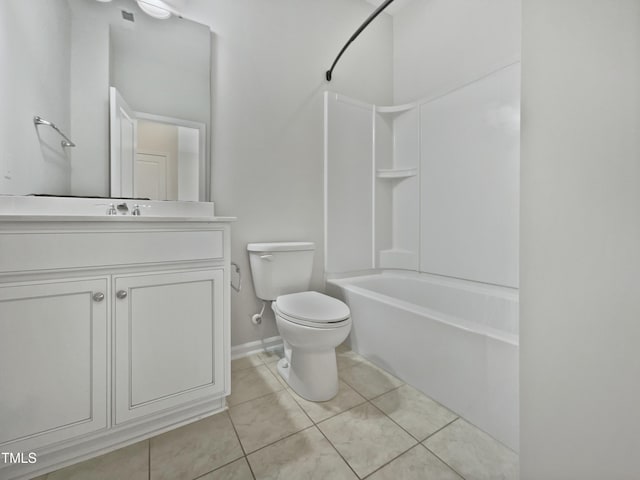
(111, 218)
(19, 208)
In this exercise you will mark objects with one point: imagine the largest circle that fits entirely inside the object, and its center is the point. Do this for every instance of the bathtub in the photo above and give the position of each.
(455, 340)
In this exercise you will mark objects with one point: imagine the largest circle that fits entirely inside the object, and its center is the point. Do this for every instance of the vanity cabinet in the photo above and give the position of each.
(166, 340)
(53, 358)
(111, 331)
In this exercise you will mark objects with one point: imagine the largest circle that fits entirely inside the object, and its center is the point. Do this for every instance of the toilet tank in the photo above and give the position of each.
(280, 268)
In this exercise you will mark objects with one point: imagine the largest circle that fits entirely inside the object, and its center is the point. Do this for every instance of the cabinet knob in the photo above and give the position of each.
(98, 296)
(121, 294)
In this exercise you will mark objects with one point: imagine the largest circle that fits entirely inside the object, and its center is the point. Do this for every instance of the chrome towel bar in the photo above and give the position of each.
(37, 120)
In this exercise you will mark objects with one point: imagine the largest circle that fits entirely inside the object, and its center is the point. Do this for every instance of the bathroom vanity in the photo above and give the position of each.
(113, 328)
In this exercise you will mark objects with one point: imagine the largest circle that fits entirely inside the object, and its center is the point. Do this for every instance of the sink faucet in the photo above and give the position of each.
(136, 210)
(112, 209)
(123, 208)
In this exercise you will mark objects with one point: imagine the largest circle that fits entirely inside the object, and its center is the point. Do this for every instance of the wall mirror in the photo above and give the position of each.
(76, 52)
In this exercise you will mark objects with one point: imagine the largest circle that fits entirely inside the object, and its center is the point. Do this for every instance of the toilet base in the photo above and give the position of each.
(312, 374)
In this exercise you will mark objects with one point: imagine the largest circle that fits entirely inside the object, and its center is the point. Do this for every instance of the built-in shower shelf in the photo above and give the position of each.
(396, 108)
(396, 172)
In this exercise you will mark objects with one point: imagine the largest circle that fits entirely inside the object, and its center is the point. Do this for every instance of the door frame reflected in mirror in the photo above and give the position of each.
(118, 182)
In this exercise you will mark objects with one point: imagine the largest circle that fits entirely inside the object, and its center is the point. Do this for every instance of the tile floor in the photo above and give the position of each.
(377, 428)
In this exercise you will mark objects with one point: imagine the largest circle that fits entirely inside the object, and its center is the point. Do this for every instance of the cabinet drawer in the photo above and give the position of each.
(32, 251)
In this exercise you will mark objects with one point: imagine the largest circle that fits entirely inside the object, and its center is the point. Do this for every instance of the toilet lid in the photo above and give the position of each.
(312, 307)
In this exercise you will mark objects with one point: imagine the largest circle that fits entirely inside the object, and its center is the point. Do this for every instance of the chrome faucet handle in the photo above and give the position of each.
(112, 209)
(136, 209)
(123, 208)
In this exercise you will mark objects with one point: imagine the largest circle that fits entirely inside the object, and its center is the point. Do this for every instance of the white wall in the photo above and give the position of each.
(267, 134)
(443, 44)
(34, 61)
(580, 303)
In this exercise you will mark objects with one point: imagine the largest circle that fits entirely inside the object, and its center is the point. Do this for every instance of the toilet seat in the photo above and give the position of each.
(312, 309)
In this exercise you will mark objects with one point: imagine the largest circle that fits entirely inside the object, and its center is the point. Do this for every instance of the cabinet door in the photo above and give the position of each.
(168, 340)
(53, 361)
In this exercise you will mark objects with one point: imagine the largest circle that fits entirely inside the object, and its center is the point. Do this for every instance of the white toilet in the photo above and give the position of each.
(311, 324)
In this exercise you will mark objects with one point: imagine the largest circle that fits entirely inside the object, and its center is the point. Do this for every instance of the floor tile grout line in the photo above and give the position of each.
(246, 459)
(434, 453)
(379, 395)
(220, 467)
(439, 430)
(442, 460)
(340, 413)
(408, 432)
(370, 400)
(256, 398)
(276, 441)
(352, 387)
(235, 430)
(331, 416)
(389, 391)
(338, 452)
(392, 460)
(244, 452)
(229, 407)
(322, 433)
(404, 384)
(418, 441)
(345, 411)
(262, 362)
(396, 423)
(384, 414)
(301, 407)
(246, 368)
(314, 424)
(287, 388)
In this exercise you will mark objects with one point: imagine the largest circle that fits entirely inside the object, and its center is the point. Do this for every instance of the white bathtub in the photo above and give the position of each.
(455, 340)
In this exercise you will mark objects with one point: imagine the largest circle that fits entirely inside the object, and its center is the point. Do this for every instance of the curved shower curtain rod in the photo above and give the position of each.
(377, 12)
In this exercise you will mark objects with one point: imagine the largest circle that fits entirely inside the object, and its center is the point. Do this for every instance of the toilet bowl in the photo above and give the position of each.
(311, 325)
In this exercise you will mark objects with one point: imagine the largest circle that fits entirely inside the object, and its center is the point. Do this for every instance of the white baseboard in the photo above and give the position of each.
(249, 348)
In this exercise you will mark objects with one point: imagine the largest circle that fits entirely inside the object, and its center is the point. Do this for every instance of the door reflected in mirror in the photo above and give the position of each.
(166, 163)
(155, 157)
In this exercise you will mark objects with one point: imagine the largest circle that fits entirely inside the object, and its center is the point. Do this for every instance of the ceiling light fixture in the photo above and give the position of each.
(157, 9)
